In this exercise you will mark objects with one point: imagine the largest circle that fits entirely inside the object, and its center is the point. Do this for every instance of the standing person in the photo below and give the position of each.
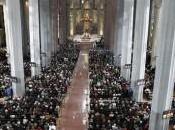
(52, 126)
(9, 92)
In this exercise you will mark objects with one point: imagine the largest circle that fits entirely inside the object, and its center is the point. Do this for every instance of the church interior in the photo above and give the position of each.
(87, 64)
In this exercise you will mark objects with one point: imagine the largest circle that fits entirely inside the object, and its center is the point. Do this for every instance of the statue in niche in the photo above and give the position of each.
(86, 22)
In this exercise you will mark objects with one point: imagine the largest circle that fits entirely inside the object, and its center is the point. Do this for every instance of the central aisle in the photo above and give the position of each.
(74, 113)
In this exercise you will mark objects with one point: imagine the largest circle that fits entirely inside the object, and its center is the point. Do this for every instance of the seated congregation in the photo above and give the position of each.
(149, 77)
(5, 83)
(111, 104)
(5, 78)
(39, 107)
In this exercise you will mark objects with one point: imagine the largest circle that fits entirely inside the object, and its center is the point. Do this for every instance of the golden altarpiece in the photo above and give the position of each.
(85, 15)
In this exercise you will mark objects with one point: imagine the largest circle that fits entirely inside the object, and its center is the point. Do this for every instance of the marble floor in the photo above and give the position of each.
(74, 113)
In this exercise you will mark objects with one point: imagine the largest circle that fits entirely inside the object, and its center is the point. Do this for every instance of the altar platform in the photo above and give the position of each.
(88, 43)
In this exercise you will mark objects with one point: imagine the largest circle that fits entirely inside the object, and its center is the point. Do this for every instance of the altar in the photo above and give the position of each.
(86, 42)
(93, 38)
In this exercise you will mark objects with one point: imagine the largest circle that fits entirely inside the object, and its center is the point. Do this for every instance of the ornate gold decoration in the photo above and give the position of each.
(87, 21)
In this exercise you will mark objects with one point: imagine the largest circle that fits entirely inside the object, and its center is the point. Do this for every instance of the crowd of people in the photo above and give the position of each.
(2, 54)
(5, 78)
(149, 83)
(149, 77)
(27, 67)
(172, 119)
(111, 104)
(4, 75)
(39, 108)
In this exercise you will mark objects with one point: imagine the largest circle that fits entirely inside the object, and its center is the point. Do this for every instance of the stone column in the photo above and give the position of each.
(51, 14)
(49, 32)
(7, 29)
(140, 47)
(34, 28)
(63, 22)
(15, 41)
(71, 24)
(2, 2)
(58, 36)
(1, 37)
(109, 25)
(113, 27)
(156, 13)
(118, 32)
(55, 25)
(100, 23)
(126, 43)
(165, 67)
(25, 31)
(45, 31)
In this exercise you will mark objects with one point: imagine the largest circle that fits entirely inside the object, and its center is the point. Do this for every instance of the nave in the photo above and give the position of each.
(123, 81)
